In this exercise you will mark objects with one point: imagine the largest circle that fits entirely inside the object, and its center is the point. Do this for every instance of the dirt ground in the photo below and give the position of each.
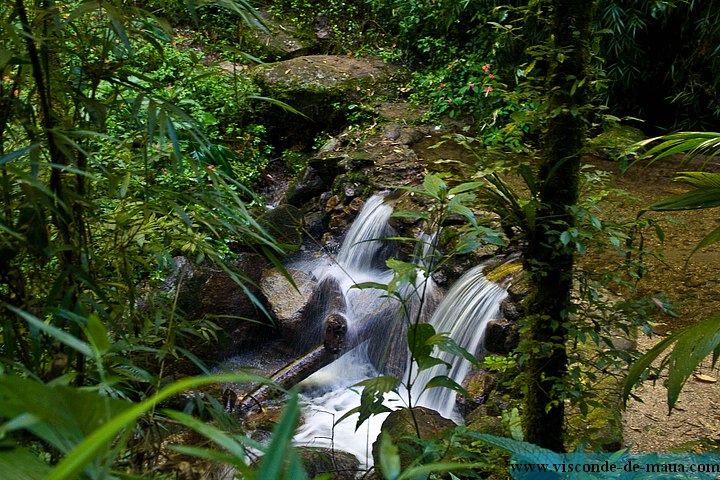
(694, 290)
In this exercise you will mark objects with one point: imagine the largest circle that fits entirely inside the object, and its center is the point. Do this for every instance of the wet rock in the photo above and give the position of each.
(308, 185)
(288, 303)
(324, 461)
(325, 301)
(511, 310)
(501, 337)
(400, 426)
(315, 179)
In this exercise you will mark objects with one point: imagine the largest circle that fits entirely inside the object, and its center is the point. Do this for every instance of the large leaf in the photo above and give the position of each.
(389, 457)
(690, 347)
(703, 197)
(692, 144)
(21, 464)
(93, 444)
(63, 416)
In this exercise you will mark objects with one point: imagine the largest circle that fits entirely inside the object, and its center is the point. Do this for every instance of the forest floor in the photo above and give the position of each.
(694, 290)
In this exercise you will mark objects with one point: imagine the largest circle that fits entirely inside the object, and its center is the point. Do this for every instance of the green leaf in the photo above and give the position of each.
(710, 238)
(21, 464)
(515, 447)
(219, 437)
(422, 471)
(60, 335)
(465, 187)
(63, 415)
(92, 445)
(446, 382)
(421, 346)
(97, 334)
(278, 455)
(435, 187)
(445, 343)
(703, 197)
(690, 347)
(389, 457)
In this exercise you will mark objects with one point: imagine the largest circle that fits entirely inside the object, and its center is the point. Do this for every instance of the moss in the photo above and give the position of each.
(613, 143)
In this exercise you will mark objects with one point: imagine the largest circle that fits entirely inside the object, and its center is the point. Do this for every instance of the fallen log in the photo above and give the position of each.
(334, 343)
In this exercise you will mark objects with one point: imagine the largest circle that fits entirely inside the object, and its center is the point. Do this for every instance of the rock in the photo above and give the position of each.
(288, 304)
(480, 421)
(321, 87)
(501, 337)
(399, 425)
(323, 461)
(281, 41)
(207, 291)
(511, 310)
(284, 222)
(315, 179)
(478, 383)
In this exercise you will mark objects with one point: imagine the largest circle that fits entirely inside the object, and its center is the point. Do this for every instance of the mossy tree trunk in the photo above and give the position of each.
(548, 260)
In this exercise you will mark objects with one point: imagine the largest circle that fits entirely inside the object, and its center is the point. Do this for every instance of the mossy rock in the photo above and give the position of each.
(613, 143)
(335, 464)
(401, 428)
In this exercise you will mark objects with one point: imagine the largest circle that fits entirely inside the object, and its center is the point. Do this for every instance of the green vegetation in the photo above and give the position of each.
(131, 135)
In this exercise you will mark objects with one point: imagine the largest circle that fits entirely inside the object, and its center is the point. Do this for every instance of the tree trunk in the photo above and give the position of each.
(549, 261)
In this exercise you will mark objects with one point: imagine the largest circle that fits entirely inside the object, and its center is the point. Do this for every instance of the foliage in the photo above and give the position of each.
(660, 60)
(409, 287)
(688, 348)
(106, 174)
(91, 430)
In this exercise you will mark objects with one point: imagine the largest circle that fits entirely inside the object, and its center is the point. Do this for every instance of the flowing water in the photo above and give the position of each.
(463, 314)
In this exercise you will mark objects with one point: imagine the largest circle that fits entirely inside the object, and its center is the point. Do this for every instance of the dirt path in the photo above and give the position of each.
(694, 290)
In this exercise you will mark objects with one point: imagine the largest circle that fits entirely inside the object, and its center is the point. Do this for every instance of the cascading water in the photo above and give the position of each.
(463, 313)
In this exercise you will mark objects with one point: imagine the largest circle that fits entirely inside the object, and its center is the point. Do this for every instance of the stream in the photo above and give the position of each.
(463, 313)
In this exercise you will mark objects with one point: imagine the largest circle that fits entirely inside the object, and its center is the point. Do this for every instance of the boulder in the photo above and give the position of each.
(230, 300)
(324, 461)
(478, 383)
(401, 428)
(501, 337)
(321, 87)
(288, 304)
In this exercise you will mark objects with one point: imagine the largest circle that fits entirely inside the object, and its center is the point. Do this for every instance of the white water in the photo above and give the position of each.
(463, 313)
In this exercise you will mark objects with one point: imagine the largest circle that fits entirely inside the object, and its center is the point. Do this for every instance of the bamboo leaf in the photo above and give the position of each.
(219, 437)
(70, 466)
(60, 335)
(273, 462)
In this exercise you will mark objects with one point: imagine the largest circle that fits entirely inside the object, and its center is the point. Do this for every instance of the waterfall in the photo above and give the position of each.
(328, 394)
(463, 314)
